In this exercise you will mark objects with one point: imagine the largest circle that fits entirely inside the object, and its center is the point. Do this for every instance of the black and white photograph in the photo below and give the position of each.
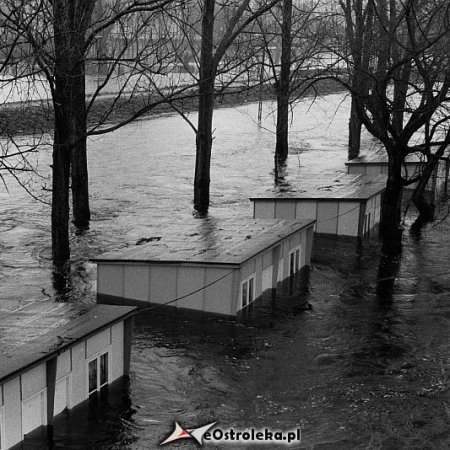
(224, 224)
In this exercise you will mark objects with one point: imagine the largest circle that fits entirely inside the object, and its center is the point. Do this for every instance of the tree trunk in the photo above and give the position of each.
(60, 196)
(283, 84)
(70, 22)
(390, 225)
(80, 179)
(354, 134)
(205, 111)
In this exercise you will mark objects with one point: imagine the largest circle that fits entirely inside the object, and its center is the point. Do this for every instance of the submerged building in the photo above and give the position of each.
(347, 206)
(55, 356)
(216, 266)
(374, 164)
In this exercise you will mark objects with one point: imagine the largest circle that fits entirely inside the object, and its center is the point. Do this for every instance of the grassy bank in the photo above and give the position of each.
(36, 118)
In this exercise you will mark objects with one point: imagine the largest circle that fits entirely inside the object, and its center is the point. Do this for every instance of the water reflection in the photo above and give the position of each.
(365, 366)
(387, 273)
(105, 422)
(280, 173)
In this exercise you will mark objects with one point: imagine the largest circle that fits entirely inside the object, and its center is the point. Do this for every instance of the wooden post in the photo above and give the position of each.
(51, 387)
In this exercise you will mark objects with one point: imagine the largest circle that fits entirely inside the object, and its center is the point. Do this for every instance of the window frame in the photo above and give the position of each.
(245, 288)
(97, 358)
(295, 263)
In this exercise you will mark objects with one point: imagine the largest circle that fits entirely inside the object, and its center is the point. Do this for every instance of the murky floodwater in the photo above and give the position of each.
(365, 366)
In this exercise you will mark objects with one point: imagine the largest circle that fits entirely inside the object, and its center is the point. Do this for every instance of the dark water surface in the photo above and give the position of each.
(360, 360)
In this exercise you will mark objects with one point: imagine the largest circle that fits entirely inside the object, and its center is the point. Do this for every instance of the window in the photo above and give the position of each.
(294, 260)
(247, 291)
(98, 373)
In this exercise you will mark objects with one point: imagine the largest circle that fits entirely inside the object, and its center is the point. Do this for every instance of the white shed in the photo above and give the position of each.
(55, 356)
(373, 164)
(217, 266)
(347, 206)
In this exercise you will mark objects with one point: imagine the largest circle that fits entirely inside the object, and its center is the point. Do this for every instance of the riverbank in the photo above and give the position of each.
(37, 118)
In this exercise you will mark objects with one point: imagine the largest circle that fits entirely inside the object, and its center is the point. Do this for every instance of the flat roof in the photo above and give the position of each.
(351, 187)
(210, 241)
(36, 331)
(380, 157)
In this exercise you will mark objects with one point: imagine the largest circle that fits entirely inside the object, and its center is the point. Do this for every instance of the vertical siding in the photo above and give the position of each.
(258, 272)
(34, 412)
(327, 217)
(33, 381)
(163, 284)
(304, 247)
(117, 351)
(13, 412)
(264, 209)
(79, 390)
(248, 268)
(235, 292)
(267, 258)
(285, 209)
(136, 282)
(309, 244)
(63, 364)
(306, 209)
(373, 170)
(267, 277)
(356, 169)
(219, 297)
(110, 279)
(295, 239)
(191, 279)
(98, 342)
(62, 400)
(348, 219)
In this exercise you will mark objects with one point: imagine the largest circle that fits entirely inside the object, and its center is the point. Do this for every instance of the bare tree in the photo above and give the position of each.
(402, 99)
(212, 35)
(58, 38)
(293, 42)
(359, 28)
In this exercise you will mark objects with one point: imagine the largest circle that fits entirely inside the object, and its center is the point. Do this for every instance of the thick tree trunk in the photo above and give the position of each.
(71, 18)
(283, 84)
(390, 225)
(60, 196)
(205, 111)
(354, 132)
(80, 179)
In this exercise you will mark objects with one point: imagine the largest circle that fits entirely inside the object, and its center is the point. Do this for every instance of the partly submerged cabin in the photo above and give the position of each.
(216, 266)
(55, 356)
(346, 206)
(373, 164)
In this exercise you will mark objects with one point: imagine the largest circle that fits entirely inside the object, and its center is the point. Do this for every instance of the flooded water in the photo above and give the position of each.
(360, 360)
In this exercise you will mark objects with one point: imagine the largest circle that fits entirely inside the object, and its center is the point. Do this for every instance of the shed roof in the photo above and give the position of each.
(210, 241)
(380, 157)
(40, 329)
(320, 188)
